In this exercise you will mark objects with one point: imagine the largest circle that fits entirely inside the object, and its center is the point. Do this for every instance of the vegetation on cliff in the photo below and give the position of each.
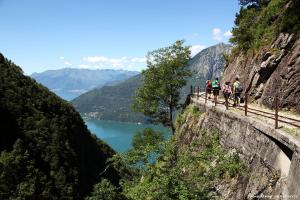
(259, 22)
(179, 171)
(46, 150)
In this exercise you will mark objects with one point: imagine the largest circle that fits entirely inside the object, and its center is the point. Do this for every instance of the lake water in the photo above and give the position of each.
(118, 134)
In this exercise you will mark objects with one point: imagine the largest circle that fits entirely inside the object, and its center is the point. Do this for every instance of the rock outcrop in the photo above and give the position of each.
(209, 63)
(274, 70)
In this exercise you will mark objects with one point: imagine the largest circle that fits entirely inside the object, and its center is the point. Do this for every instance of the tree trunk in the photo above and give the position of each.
(171, 120)
(173, 128)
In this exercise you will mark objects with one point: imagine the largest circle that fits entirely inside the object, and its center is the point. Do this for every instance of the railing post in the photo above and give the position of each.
(215, 99)
(205, 95)
(246, 104)
(198, 91)
(226, 101)
(276, 111)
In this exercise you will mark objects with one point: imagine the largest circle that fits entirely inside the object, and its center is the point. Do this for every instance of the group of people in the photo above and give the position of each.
(229, 90)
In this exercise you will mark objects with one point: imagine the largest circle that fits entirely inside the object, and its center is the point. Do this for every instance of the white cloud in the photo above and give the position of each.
(138, 60)
(67, 63)
(217, 34)
(61, 58)
(95, 59)
(127, 63)
(227, 34)
(196, 49)
(83, 66)
(116, 62)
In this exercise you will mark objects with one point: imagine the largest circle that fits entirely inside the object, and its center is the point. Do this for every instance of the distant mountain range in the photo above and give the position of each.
(114, 102)
(69, 83)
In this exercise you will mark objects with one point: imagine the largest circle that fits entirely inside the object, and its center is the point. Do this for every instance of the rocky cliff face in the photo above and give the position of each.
(209, 62)
(270, 156)
(274, 70)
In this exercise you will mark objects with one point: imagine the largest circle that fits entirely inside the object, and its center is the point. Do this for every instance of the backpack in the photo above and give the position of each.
(208, 84)
(239, 88)
(227, 90)
(216, 84)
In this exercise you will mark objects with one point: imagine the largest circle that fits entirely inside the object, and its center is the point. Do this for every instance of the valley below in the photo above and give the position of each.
(118, 135)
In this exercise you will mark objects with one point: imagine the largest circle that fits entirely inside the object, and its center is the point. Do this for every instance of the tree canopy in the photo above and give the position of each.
(256, 2)
(46, 150)
(166, 74)
(180, 170)
(259, 22)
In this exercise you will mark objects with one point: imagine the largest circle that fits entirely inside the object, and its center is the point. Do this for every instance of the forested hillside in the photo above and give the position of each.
(47, 152)
(111, 102)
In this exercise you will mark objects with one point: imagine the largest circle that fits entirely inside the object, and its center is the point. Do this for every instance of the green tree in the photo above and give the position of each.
(147, 146)
(165, 75)
(104, 191)
(256, 2)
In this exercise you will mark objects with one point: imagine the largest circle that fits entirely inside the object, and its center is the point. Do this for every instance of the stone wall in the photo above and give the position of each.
(272, 155)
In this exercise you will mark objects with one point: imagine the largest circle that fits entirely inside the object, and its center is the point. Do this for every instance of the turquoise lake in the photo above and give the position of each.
(118, 134)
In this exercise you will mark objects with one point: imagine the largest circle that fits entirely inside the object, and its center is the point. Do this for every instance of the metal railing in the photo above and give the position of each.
(198, 92)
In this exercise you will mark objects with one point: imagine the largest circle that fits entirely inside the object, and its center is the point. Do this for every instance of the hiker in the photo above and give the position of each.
(216, 88)
(227, 91)
(208, 88)
(237, 88)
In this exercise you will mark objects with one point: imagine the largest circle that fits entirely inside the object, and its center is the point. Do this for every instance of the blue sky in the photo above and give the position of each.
(50, 34)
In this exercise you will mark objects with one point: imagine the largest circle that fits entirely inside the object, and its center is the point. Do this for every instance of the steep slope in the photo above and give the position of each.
(274, 67)
(69, 83)
(114, 102)
(207, 64)
(269, 156)
(111, 102)
(46, 149)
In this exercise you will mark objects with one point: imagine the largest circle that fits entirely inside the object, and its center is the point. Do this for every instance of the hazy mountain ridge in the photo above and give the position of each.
(114, 102)
(69, 83)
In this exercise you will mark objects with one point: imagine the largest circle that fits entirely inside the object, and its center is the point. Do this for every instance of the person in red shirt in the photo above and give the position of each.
(208, 88)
